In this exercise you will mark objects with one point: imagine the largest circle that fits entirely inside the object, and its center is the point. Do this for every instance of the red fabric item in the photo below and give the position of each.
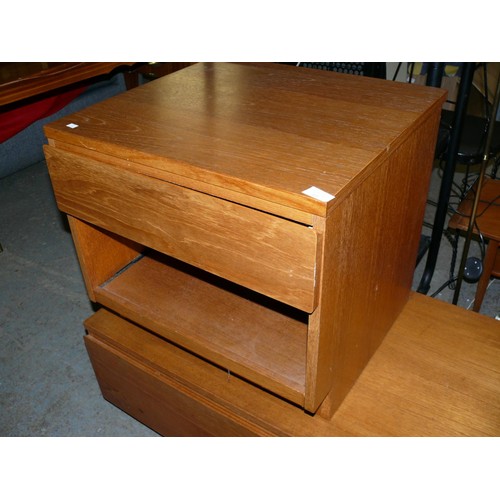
(17, 119)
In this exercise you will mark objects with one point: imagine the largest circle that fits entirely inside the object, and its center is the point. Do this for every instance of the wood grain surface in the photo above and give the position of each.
(23, 80)
(269, 131)
(208, 165)
(242, 332)
(488, 210)
(435, 374)
(265, 253)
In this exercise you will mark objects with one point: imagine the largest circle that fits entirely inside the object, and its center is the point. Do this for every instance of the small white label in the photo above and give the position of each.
(318, 194)
(71, 125)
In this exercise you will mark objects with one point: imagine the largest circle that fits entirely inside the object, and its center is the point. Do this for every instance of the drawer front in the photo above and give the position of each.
(265, 253)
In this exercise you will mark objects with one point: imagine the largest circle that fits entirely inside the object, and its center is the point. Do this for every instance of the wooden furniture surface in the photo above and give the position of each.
(488, 224)
(190, 205)
(435, 374)
(259, 135)
(22, 80)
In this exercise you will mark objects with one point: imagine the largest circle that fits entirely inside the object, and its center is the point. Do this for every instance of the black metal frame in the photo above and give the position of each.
(434, 78)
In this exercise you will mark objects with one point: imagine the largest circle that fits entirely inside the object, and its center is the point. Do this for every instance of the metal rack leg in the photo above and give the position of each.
(447, 181)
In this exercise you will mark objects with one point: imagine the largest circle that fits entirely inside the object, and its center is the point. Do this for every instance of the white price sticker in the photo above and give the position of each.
(318, 194)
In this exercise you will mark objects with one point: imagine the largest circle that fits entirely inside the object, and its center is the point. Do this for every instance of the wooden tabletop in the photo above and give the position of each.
(19, 81)
(270, 131)
(437, 373)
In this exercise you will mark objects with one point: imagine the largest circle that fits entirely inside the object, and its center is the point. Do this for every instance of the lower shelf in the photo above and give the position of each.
(241, 331)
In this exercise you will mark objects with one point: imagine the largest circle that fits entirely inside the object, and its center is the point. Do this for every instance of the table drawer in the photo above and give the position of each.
(266, 253)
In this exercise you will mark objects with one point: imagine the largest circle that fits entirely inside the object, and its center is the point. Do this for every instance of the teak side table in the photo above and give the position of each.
(249, 230)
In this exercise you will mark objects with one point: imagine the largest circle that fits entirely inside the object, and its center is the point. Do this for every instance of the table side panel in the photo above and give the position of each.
(101, 254)
(367, 271)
